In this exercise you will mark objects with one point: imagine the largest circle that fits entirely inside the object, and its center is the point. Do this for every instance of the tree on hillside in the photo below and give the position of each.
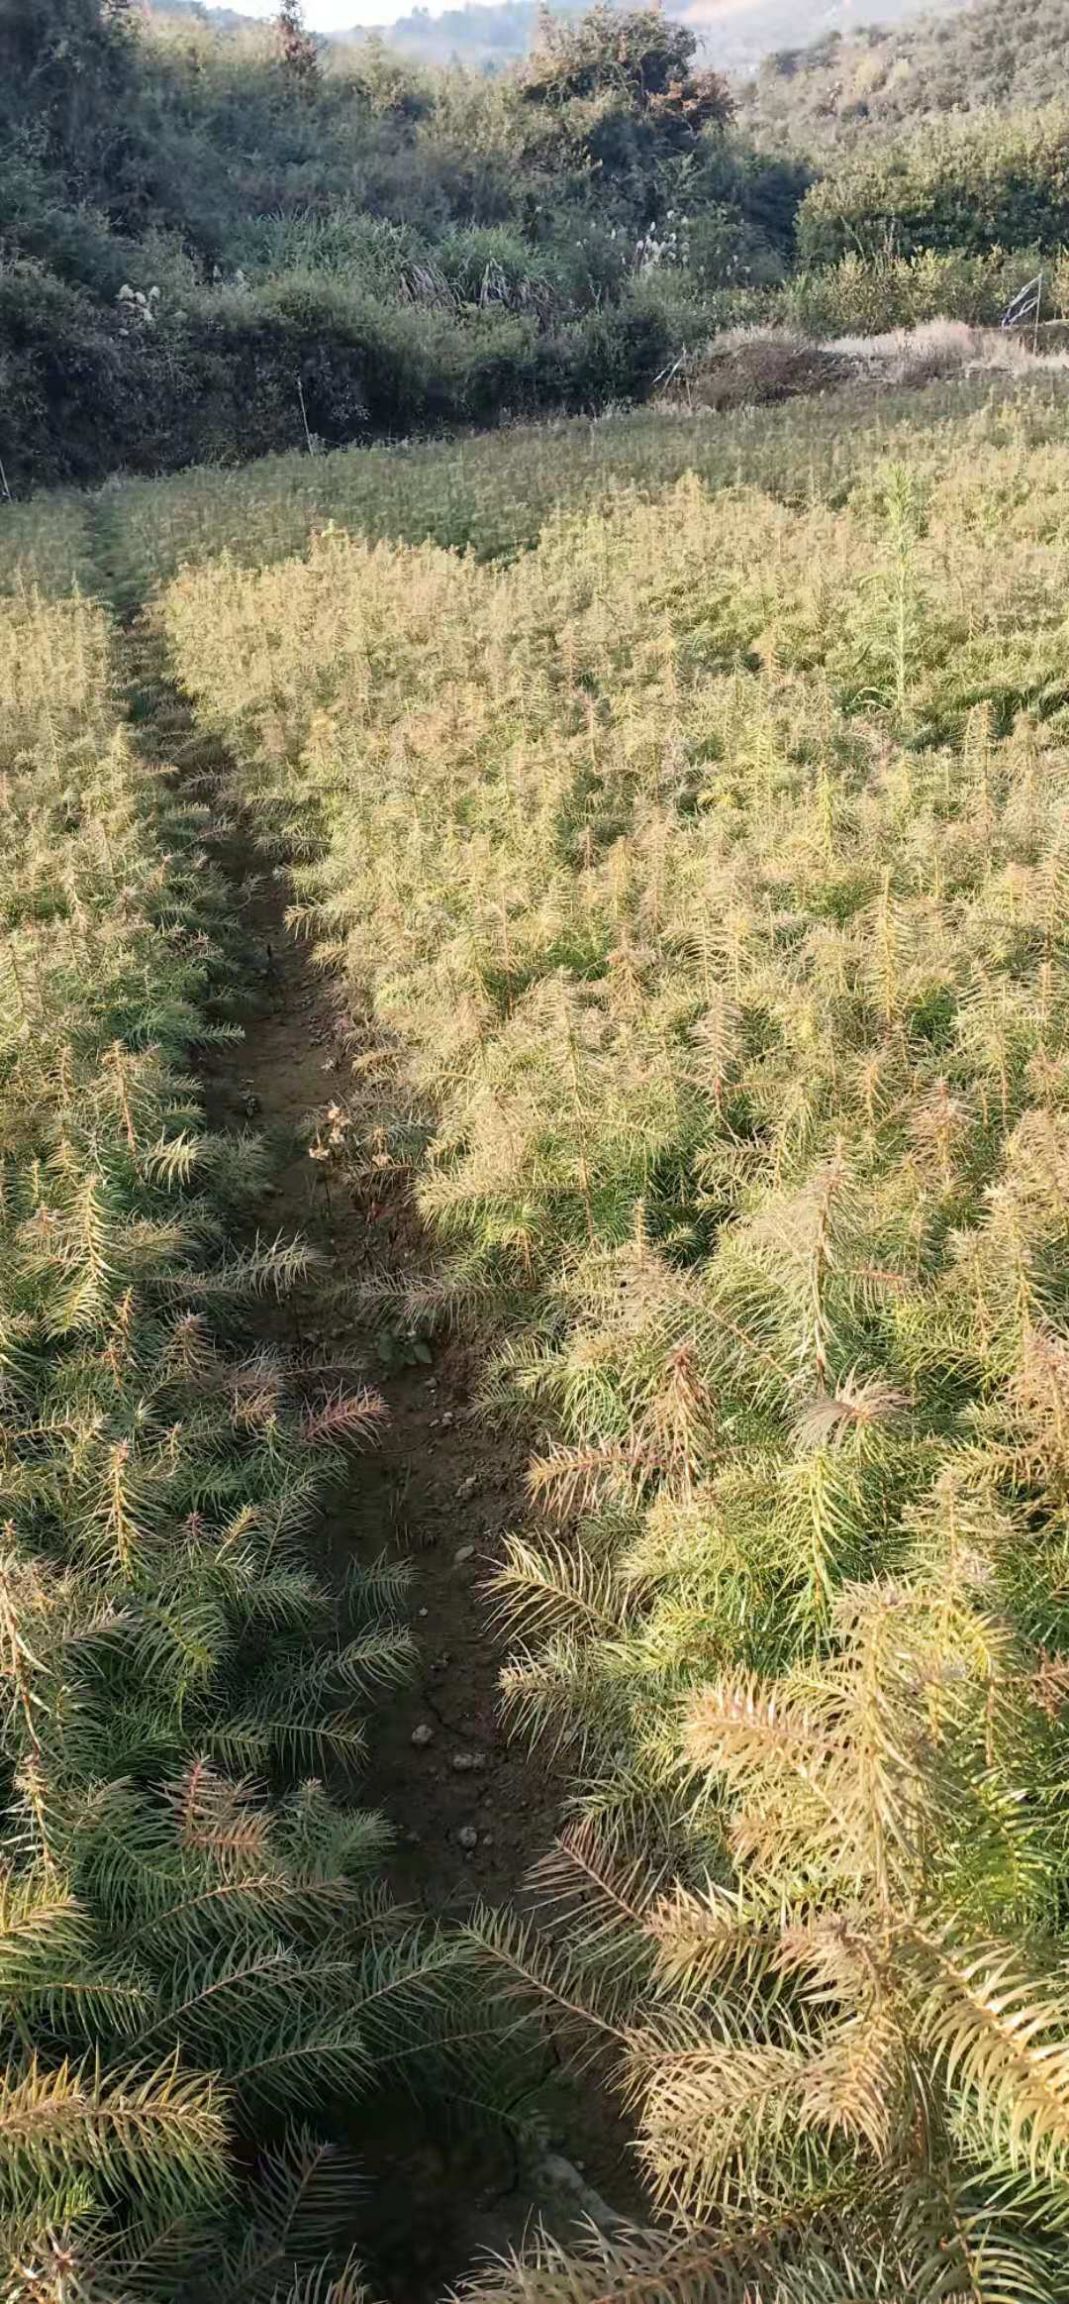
(298, 47)
(640, 59)
(299, 54)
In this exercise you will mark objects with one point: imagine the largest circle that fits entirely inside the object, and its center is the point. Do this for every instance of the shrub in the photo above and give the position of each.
(63, 381)
(854, 297)
(220, 380)
(602, 357)
(491, 266)
(638, 62)
(976, 185)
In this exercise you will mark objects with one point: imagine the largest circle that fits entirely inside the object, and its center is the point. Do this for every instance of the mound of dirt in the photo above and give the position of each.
(753, 367)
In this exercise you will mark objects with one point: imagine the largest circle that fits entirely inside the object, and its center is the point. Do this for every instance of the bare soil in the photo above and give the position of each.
(438, 1489)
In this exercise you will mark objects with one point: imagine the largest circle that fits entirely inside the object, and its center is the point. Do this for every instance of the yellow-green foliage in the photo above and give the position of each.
(705, 874)
(492, 492)
(44, 544)
(186, 1960)
(867, 297)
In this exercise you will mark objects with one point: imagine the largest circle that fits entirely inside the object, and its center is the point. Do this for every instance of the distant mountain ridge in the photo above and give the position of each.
(735, 34)
(221, 19)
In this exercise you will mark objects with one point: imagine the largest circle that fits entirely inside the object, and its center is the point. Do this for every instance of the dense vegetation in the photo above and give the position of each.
(979, 184)
(215, 245)
(211, 248)
(199, 1959)
(700, 872)
(489, 34)
(490, 493)
(940, 158)
(681, 809)
(714, 903)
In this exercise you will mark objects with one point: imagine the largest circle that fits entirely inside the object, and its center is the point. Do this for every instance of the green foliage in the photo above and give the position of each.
(978, 184)
(863, 297)
(69, 63)
(198, 228)
(202, 228)
(611, 68)
(228, 377)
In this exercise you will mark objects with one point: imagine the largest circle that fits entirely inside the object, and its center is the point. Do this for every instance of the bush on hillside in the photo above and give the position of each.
(412, 252)
(62, 381)
(409, 252)
(976, 186)
(857, 298)
(638, 60)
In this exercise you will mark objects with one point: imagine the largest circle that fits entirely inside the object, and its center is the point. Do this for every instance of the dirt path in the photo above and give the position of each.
(439, 1488)
(471, 1812)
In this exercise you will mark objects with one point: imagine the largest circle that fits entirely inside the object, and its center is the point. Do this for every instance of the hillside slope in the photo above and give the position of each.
(739, 34)
(890, 79)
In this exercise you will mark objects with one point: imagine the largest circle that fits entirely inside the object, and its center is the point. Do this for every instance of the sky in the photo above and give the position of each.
(339, 15)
